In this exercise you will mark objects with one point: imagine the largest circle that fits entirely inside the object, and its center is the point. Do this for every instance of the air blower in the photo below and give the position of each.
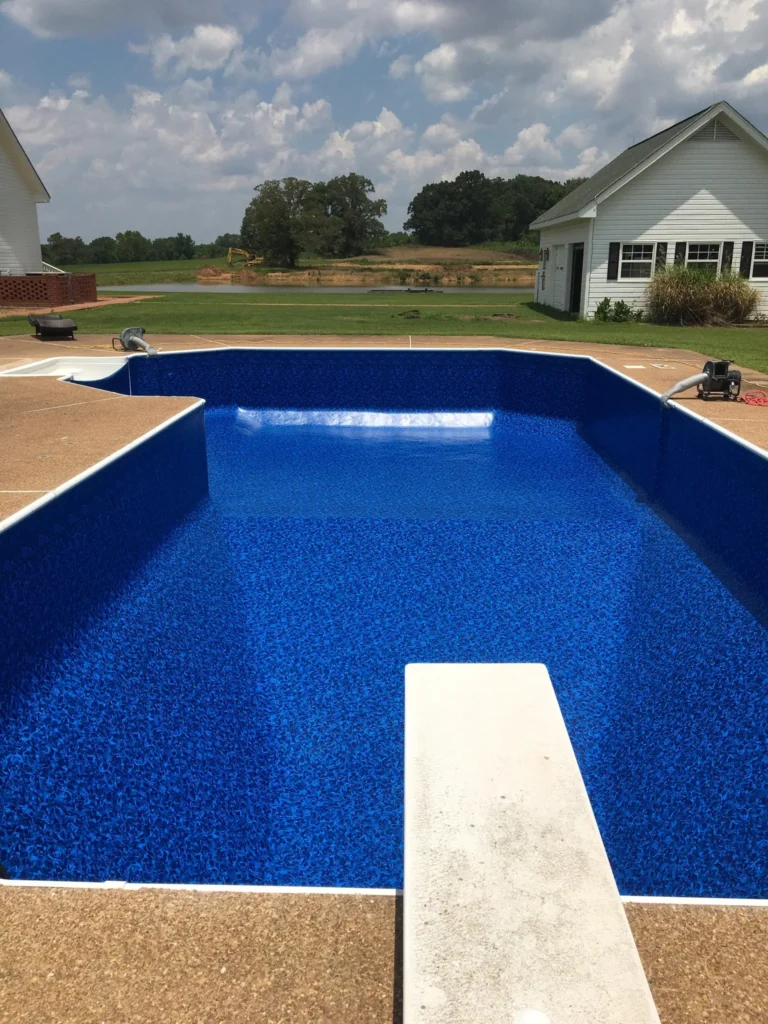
(716, 380)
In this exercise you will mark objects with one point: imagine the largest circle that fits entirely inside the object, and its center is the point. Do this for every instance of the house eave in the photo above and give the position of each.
(586, 213)
(37, 189)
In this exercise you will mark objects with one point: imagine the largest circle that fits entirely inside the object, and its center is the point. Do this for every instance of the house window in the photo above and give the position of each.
(636, 259)
(760, 260)
(703, 256)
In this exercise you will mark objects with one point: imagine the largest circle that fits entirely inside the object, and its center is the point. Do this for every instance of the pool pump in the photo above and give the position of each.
(716, 380)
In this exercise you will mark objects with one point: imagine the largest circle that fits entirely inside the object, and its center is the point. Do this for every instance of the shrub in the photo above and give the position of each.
(695, 298)
(617, 312)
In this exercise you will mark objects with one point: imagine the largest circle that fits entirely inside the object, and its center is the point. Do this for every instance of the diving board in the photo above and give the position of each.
(511, 912)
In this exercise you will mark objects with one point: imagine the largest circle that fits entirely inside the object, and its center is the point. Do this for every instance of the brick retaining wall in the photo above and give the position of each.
(47, 289)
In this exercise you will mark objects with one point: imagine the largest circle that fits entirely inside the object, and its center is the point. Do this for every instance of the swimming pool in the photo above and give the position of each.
(213, 692)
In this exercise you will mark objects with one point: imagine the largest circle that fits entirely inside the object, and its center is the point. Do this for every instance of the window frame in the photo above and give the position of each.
(622, 261)
(702, 264)
(759, 277)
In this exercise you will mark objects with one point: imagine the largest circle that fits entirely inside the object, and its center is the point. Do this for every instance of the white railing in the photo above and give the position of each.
(48, 268)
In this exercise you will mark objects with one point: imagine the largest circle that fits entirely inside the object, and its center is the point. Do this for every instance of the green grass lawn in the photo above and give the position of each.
(214, 315)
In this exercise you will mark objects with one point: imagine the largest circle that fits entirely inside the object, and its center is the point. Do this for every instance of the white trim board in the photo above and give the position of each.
(698, 901)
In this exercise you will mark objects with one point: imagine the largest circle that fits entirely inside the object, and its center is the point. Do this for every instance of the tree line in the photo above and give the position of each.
(132, 247)
(340, 218)
(473, 208)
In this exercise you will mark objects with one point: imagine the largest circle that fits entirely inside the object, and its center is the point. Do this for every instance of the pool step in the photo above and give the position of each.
(512, 915)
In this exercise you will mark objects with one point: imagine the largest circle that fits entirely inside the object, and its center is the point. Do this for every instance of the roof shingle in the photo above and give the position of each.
(625, 162)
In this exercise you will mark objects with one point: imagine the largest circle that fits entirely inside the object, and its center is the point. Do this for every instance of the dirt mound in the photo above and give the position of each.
(406, 255)
(209, 274)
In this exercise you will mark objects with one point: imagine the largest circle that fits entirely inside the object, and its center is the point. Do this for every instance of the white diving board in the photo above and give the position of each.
(511, 911)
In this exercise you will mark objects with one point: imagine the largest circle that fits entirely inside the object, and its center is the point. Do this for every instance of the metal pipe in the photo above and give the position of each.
(683, 385)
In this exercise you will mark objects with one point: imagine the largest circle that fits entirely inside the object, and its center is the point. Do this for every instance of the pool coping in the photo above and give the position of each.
(55, 492)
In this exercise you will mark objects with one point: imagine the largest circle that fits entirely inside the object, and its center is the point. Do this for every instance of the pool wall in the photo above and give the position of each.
(368, 379)
(64, 556)
(710, 485)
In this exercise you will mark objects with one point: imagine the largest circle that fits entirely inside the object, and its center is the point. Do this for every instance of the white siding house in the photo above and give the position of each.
(20, 191)
(696, 193)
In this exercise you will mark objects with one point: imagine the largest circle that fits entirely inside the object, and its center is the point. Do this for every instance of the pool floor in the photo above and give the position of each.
(234, 712)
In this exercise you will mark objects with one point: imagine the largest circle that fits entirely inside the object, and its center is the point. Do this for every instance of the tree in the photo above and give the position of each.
(61, 251)
(274, 224)
(224, 243)
(132, 247)
(102, 250)
(175, 247)
(354, 226)
(474, 209)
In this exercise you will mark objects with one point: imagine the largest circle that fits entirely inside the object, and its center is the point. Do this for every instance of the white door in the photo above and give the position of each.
(558, 286)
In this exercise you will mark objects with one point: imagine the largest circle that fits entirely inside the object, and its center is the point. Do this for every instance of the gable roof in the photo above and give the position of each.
(10, 142)
(635, 159)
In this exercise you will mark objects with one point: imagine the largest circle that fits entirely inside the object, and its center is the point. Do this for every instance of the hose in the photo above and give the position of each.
(683, 385)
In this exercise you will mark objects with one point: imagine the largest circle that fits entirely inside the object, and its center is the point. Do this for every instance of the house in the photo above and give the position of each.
(20, 191)
(695, 193)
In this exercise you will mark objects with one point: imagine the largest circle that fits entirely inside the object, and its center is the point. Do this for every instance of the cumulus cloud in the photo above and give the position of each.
(5, 80)
(316, 51)
(206, 48)
(56, 18)
(401, 67)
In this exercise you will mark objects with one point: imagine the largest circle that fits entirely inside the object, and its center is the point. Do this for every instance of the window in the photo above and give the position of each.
(636, 259)
(704, 256)
(760, 260)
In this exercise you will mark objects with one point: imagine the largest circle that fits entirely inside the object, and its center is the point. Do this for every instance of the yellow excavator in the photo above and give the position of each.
(249, 259)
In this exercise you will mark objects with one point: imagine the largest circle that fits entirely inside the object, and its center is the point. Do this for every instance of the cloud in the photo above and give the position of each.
(316, 51)
(552, 88)
(401, 67)
(533, 146)
(57, 18)
(206, 48)
(5, 80)
(440, 77)
(757, 76)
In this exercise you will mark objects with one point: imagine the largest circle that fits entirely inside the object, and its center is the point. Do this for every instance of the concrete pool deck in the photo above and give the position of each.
(83, 955)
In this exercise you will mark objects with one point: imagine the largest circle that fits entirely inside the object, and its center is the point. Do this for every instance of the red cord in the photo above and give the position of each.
(755, 397)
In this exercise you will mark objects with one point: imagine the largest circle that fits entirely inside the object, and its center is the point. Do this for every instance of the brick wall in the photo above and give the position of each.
(47, 289)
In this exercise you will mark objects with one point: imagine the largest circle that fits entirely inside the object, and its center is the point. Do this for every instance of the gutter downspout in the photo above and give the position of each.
(588, 262)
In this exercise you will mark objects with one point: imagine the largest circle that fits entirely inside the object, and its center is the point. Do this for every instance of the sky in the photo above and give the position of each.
(162, 115)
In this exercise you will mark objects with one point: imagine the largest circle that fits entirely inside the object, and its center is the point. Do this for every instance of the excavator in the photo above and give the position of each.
(249, 258)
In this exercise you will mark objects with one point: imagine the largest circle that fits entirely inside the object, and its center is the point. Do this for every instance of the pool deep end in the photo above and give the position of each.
(212, 691)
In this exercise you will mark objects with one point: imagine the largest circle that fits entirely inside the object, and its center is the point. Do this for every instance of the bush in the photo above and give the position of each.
(696, 298)
(619, 312)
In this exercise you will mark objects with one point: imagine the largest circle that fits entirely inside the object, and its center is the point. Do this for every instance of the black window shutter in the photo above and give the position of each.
(613, 261)
(679, 252)
(727, 261)
(745, 266)
(661, 255)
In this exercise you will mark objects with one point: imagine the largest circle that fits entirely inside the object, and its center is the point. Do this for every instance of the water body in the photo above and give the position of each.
(233, 289)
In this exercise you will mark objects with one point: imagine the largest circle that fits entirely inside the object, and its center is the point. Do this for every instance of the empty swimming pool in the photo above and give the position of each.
(221, 697)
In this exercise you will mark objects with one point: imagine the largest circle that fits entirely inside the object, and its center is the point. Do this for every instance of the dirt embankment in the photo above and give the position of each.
(507, 275)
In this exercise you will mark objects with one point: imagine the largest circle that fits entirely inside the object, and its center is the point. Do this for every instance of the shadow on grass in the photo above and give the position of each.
(550, 312)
